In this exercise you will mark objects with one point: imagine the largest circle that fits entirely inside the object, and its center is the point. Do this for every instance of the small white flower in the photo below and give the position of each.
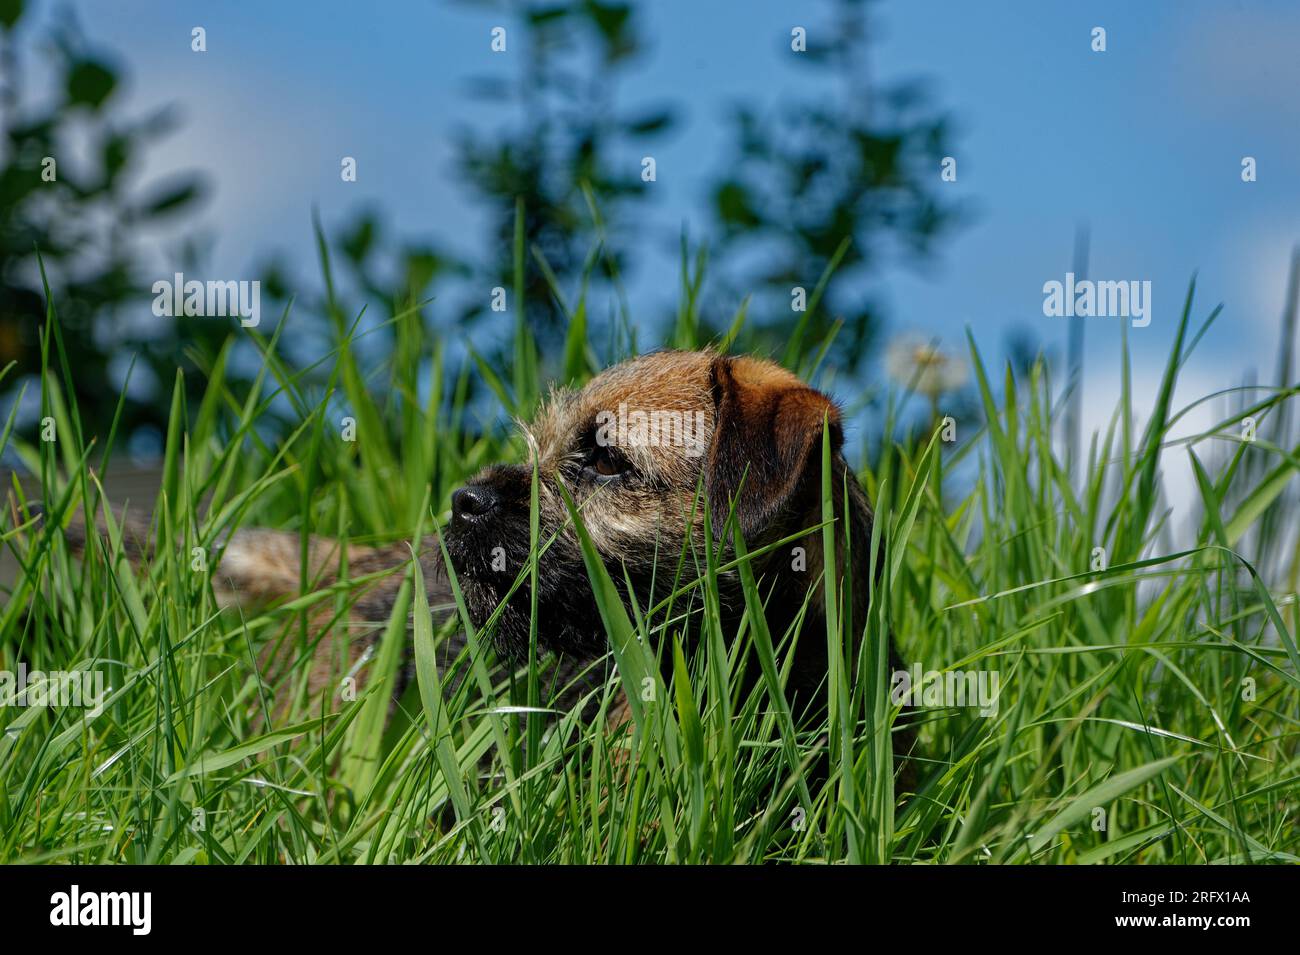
(918, 362)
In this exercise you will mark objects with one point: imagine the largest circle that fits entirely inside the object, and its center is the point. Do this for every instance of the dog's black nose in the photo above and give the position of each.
(472, 502)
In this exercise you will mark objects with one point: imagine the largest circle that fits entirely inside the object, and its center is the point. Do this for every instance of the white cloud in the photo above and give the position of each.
(1198, 380)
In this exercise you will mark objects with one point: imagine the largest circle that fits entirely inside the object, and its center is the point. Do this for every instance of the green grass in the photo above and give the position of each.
(1122, 687)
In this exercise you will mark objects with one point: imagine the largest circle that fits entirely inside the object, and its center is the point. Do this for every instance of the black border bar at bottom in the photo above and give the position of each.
(341, 904)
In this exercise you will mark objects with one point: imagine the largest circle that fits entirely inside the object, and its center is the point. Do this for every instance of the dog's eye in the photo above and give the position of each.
(605, 463)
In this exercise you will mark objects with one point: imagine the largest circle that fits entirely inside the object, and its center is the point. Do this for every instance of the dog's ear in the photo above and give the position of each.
(767, 441)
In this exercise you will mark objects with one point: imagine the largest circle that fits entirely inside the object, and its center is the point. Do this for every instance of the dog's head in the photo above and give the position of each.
(632, 449)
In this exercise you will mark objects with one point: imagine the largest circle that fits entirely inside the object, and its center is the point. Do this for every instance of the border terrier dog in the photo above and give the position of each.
(633, 449)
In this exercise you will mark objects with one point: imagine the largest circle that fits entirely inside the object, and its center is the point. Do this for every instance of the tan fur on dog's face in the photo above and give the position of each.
(654, 497)
(719, 420)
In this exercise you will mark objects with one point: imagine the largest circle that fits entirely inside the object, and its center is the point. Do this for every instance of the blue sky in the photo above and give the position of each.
(1143, 143)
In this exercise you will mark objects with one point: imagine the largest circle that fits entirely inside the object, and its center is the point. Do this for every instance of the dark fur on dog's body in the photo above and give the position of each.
(758, 451)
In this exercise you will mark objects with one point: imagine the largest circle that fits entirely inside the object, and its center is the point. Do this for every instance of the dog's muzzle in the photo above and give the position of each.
(472, 505)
